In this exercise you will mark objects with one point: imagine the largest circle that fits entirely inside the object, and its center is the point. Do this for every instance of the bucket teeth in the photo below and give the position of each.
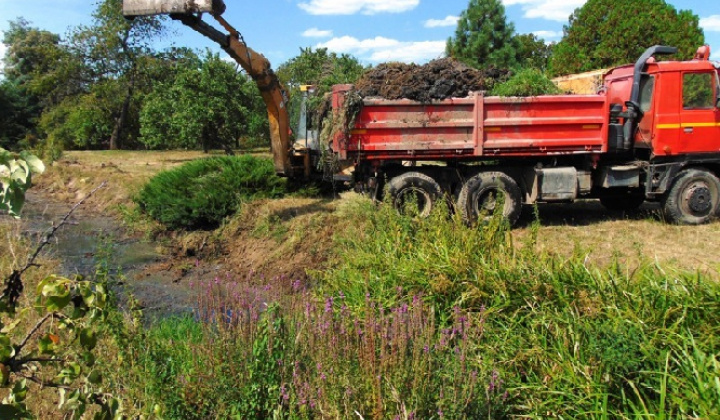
(165, 7)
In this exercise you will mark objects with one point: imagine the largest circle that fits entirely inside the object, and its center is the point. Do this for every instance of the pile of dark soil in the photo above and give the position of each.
(439, 79)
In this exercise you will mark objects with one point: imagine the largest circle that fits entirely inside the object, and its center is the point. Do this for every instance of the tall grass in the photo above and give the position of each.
(429, 318)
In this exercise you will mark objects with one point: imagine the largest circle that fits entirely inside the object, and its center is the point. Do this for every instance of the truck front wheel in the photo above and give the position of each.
(694, 198)
(481, 194)
(414, 193)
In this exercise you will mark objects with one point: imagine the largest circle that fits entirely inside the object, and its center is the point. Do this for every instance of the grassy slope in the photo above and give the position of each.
(572, 317)
(585, 226)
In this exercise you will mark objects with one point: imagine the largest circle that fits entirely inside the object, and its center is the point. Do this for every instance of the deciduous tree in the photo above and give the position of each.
(606, 33)
(204, 106)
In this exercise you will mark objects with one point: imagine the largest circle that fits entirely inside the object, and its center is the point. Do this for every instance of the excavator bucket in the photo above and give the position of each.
(132, 8)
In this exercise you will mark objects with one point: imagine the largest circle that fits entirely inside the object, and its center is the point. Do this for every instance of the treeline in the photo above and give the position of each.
(107, 86)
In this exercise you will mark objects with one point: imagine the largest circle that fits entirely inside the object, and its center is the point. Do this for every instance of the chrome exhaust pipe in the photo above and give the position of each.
(132, 8)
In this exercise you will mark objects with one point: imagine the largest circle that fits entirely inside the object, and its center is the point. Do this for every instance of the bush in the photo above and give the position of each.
(528, 82)
(200, 194)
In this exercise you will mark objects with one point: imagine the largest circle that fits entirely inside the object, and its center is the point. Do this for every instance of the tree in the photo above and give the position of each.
(113, 50)
(605, 33)
(32, 54)
(483, 36)
(532, 52)
(204, 106)
(319, 68)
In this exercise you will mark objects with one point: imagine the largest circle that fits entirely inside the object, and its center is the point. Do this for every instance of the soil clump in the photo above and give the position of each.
(437, 80)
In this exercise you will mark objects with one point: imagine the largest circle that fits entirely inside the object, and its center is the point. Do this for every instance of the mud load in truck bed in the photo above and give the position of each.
(439, 79)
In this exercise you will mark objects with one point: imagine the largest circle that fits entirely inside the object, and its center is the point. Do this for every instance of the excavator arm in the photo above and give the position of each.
(255, 64)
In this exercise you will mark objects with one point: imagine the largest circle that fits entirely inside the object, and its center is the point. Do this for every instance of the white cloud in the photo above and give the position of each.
(381, 49)
(556, 10)
(711, 23)
(548, 35)
(351, 7)
(441, 23)
(317, 33)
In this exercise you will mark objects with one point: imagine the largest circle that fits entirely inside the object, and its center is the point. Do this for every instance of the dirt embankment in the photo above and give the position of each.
(439, 79)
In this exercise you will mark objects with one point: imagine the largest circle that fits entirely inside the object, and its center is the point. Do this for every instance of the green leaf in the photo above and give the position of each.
(88, 358)
(56, 290)
(95, 377)
(20, 390)
(7, 350)
(36, 165)
(88, 339)
(12, 412)
(18, 319)
(46, 344)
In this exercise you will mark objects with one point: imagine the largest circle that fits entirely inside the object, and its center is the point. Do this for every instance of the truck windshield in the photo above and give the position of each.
(647, 86)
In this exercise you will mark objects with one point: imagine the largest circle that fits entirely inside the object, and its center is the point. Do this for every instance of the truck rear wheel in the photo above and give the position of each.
(414, 192)
(481, 194)
(694, 198)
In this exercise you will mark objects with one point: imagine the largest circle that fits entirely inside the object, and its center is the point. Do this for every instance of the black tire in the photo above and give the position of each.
(622, 202)
(478, 197)
(694, 198)
(414, 187)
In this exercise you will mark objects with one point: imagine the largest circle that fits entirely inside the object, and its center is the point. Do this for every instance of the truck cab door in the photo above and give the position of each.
(700, 116)
(646, 126)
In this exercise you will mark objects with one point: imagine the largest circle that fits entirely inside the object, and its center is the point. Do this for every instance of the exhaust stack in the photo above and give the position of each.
(132, 8)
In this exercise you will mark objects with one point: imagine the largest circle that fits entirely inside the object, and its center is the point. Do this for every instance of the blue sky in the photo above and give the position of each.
(373, 30)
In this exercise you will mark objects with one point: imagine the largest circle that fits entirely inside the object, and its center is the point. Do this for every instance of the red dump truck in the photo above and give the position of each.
(652, 133)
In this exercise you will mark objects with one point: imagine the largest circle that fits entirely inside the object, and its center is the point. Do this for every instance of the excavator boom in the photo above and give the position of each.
(255, 64)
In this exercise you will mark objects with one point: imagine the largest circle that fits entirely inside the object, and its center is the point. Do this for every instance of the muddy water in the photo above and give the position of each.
(81, 242)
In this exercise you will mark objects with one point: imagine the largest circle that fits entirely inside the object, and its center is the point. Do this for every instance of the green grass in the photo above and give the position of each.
(429, 318)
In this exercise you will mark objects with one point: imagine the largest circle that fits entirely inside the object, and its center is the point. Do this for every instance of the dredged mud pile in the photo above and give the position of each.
(439, 79)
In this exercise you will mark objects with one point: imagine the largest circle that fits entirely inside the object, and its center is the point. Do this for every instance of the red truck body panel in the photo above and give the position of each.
(475, 127)
(480, 127)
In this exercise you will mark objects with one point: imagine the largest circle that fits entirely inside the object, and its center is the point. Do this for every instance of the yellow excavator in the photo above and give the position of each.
(290, 161)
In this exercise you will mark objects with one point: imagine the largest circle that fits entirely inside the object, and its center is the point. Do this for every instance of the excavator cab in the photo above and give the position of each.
(307, 135)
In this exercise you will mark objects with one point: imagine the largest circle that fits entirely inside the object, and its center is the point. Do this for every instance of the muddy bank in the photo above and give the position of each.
(273, 238)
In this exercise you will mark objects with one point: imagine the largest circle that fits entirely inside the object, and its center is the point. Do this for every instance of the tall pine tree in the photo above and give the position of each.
(484, 37)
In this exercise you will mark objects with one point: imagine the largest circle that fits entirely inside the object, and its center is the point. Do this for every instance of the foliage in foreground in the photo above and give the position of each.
(49, 341)
(16, 173)
(201, 193)
(432, 319)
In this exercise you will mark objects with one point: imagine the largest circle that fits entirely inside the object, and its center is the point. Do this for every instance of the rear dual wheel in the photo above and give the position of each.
(414, 193)
(482, 195)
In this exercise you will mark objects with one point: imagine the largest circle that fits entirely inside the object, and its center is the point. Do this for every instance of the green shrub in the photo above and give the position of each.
(528, 82)
(201, 193)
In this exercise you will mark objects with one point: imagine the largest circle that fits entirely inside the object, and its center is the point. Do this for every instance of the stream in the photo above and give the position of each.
(78, 244)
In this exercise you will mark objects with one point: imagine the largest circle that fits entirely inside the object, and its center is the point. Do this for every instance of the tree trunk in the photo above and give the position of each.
(116, 137)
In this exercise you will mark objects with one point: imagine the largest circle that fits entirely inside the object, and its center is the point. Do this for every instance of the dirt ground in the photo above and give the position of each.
(439, 79)
(292, 235)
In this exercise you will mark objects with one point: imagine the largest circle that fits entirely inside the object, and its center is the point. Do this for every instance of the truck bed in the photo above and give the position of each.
(476, 127)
